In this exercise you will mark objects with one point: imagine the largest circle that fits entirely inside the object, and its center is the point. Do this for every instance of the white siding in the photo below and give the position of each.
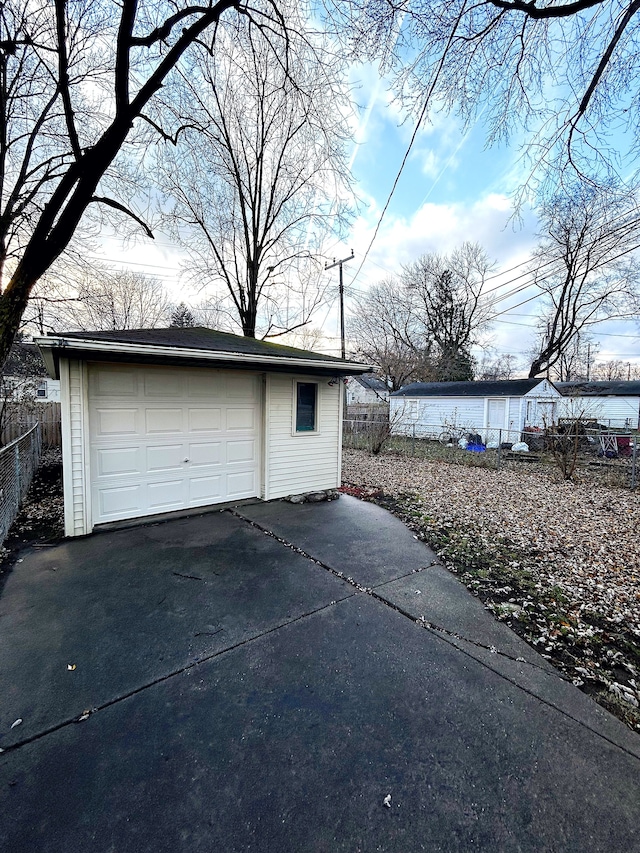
(621, 411)
(300, 462)
(357, 395)
(73, 413)
(618, 412)
(516, 415)
(541, 405)
(431, 415)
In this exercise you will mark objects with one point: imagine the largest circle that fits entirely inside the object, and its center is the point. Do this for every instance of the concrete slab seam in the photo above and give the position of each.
(444, 635)
(421, 622)
(85, 714)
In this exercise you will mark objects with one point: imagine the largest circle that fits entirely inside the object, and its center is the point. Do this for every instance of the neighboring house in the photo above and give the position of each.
(428, 408)
(24, 376)
(366, 391)
(613, 404)
(158, 420)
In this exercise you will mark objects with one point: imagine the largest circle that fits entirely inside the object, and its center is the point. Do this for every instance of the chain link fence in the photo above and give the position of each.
(18, 463)
(571, 447)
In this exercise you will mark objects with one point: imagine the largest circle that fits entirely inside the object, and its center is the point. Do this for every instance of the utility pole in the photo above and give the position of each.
(329, 266)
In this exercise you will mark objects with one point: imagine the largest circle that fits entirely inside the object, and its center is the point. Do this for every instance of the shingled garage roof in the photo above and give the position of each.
(372, 383)
(487, 388)
(622, 388)
(196, 346)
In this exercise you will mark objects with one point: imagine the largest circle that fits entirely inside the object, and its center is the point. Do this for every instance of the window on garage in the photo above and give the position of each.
(306, 406)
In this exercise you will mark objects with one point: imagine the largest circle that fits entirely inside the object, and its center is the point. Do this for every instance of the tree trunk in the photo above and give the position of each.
(536, 368)
(13, 302)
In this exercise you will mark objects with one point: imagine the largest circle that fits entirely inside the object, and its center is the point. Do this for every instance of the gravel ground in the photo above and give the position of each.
(558, 561)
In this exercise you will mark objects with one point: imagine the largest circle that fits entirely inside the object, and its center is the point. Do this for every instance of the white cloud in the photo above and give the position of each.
(440, 228)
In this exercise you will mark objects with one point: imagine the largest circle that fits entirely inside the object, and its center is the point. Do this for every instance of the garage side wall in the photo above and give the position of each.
(73, 415)
(301, 462)
(615, 412)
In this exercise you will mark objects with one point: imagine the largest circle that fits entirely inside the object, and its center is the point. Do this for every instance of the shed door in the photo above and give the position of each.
(163, 439)
(496, 416)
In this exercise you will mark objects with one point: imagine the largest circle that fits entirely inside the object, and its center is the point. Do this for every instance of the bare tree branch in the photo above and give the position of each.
(121, 207)
(263, 173)
(57, 143)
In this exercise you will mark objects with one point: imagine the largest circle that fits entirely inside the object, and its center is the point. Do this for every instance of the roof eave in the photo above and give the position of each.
(52, 348)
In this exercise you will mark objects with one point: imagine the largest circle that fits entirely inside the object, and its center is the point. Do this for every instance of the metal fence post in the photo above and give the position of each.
(633, 461)
(17, 464)
(413, 440)
(499, 447)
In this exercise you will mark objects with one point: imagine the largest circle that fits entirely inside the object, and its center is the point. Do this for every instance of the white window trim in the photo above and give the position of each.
(294, 405)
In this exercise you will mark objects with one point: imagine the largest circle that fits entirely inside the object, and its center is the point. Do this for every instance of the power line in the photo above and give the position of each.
(414, 135)
(132, 263)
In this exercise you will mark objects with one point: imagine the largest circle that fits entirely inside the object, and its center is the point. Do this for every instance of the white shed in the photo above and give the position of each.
(613, 404)
(159, 420)
(426, 409)
(366, 391)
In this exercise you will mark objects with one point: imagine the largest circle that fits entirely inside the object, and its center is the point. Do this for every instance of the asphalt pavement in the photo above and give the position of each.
(279, 677)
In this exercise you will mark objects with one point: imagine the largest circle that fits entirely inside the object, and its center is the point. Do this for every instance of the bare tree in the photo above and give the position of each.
(561, 75)
(585, 269)
(77, 83)
(576, 359)
(384, 330)
(260, 174)
(500, 367)
(615, 370)
(117, 300)
(213, 313)
(445, 294)
(307, 337)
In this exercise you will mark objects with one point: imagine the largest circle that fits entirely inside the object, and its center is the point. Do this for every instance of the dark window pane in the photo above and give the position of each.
(306, 407)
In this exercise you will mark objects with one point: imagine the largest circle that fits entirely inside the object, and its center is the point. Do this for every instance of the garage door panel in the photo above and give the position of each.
(204, 490)
(120, 501)
(207, 386)
(165, 457)
(174, 438)
(163, 384)
(159, 421)
(205, 453)
(165, 495)
(205, 420)
(242, 386)
(108, 382)
(111, 462)
(240, 451)
(241, 484)
(241, 418)
(115, 423)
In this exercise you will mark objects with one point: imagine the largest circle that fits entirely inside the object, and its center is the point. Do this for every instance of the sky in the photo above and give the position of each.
(452, 189)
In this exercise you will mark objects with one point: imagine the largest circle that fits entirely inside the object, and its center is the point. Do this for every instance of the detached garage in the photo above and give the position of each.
(160, 420)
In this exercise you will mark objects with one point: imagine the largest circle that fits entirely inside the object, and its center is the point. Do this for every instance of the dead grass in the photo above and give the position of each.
(558, 561)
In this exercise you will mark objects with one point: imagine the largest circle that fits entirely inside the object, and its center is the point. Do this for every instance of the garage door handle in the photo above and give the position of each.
(186, 460)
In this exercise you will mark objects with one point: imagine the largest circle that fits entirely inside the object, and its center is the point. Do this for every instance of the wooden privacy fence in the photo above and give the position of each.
(18, 418)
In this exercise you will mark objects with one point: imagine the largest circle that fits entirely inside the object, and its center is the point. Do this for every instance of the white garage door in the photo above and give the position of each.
(163, 439)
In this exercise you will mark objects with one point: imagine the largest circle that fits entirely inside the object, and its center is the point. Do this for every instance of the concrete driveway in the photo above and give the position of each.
(262, 679)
